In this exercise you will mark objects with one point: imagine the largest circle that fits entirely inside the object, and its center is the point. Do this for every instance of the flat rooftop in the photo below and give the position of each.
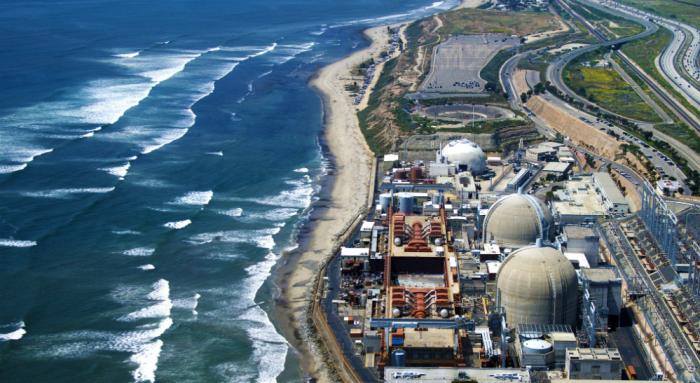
(448, 374)
(429, 338)
(579, 198)
(600, 275)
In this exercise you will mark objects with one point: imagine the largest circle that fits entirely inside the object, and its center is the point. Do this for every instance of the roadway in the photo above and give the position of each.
(678, 61)
(555, 69)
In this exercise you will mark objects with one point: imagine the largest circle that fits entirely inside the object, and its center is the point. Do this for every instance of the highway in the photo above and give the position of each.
(555, 69)
(678, 109)
(681, 54)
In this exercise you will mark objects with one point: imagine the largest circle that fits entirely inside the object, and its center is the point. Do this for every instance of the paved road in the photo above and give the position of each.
(554, 73)
(678, 62)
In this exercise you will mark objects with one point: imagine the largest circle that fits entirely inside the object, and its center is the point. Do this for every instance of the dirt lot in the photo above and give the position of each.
(578, 131)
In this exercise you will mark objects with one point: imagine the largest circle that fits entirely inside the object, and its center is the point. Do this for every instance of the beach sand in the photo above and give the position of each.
(352, 162)
(346, 197)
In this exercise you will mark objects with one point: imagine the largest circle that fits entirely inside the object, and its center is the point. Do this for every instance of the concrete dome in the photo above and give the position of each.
(465, 153)
(538, 285)
(518, 220)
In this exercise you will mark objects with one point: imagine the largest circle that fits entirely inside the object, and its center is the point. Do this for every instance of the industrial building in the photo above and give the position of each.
(447, 281)
(593, 363)
(613, 200)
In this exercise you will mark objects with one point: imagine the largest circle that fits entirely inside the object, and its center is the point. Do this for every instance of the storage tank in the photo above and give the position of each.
(385, 201)
(537, 285)
(398, 358)
(406, 203)
(536, 346)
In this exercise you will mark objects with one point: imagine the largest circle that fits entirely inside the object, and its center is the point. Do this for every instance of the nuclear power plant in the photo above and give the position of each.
(470, 267)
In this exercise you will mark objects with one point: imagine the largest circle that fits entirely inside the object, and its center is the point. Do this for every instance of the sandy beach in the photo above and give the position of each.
(352, 161)
(344, 200)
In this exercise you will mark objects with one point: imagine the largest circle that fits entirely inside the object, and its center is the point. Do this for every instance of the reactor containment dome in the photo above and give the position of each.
(537, 285)
(518, 220)
(465, 153)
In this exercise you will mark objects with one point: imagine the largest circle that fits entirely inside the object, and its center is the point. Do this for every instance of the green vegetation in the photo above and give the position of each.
(605, 87)
(687, 11)
(682, 133)
(645, 51)
(619, 26)
(373, 132)
(470, 21)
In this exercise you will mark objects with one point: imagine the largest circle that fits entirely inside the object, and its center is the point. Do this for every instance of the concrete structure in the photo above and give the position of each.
(578, 203)
(613, 200)
(539, 153)
(537, 285)
(518, 220)
(558, 169)
(582, 239)
(593, 363)
(433, 374)
(464, 154)
(518, 180)
(605, 288)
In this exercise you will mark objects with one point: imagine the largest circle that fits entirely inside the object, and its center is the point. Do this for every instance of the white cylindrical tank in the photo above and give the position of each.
(536, 346)
(444, 313)
(396, 313)
(398, 241)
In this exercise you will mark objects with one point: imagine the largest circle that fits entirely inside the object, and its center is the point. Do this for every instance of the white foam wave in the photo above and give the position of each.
(128, 55)
(88, 135)
(118, 171)
(6, 169)
(66, 193)
(220, 154)
(235, 212)
(140, 252)
(301, 170)
(262, 238)
(200, 198)
(147, 267)
(9, 242)
(269, 347)
(275, 215)
(164, 139)
(147, 361)
(158, 310)
(177, 225)
(188, 303)
(24, 155)
(264, 74)
(16, 334)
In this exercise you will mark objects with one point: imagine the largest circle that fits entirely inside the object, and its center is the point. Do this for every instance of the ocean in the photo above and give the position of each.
(156, 159)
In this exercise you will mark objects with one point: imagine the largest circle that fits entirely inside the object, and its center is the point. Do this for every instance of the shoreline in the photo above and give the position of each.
(344, 194)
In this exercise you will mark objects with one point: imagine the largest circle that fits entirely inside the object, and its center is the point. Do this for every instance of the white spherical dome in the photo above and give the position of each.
(518, 220)
(465, 153)
(538, 285)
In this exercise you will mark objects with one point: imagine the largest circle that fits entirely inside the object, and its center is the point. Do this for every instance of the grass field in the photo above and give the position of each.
(605, 87)
(470, 21)
(682, 133)
(687, 11)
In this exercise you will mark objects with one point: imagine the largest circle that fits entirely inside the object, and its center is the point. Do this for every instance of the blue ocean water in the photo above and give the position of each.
(156, 158)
